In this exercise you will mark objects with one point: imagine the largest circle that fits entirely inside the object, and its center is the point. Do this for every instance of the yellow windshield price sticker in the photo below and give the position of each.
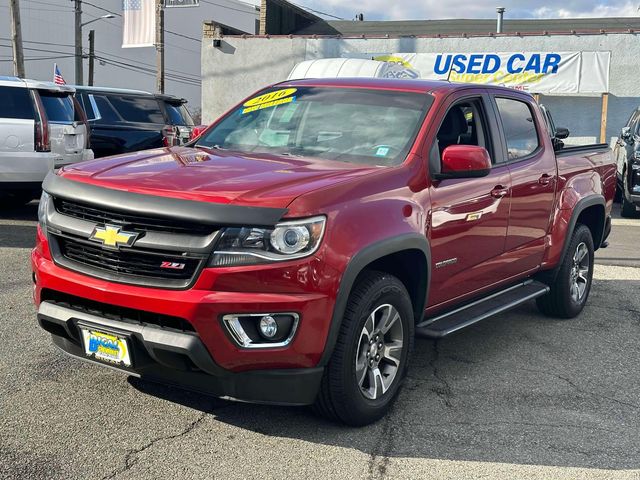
(271, 99)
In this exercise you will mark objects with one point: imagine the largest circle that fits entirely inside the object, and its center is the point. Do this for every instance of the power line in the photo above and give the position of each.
(316, 11)
(177, 74)
(42, 43)
(33, 59)
(144, 71)
(40, 2)
(228, 7)
(145, 64)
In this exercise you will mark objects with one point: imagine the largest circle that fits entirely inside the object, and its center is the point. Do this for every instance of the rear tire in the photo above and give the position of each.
(17, 199)
(371, 355)
(570, 289)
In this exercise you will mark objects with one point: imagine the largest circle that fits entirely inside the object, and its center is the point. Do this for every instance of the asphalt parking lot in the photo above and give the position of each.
(517, 396)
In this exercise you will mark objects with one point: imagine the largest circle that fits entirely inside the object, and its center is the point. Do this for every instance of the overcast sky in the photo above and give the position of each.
(430, 9)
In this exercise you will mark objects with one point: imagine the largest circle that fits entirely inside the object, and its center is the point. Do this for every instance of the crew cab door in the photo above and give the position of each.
(469, 217)
(533, 168)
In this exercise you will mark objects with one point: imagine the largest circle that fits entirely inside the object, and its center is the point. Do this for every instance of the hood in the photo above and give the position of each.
(215, 176)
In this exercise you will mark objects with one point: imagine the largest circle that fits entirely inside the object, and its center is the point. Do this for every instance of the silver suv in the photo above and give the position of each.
(42, 128)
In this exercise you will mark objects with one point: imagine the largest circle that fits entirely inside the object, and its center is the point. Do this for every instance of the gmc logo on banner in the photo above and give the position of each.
(172, 265)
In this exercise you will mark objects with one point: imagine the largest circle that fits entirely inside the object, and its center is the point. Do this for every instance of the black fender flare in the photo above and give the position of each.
(580, 207)
(372, 252)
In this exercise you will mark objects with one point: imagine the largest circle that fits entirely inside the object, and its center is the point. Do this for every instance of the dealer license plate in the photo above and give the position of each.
(107, 347)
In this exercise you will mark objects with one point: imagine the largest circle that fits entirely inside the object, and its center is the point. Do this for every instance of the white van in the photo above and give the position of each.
(350, 67)
(42, 128)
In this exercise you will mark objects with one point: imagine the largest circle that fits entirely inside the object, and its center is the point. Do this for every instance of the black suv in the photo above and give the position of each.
(129, 120)
(627, 154)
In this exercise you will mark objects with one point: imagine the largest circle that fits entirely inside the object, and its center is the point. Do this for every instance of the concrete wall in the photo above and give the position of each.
(242, 66)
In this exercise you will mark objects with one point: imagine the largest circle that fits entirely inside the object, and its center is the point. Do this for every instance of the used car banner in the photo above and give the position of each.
(535, 72)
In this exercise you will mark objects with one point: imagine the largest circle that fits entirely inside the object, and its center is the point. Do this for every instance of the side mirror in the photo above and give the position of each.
(562, 133)
(464, 161)
(625, 134)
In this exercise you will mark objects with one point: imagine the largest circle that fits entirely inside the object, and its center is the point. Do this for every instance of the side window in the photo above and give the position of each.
(519, 127)
(137, 109)
(16, 102)
(86, 105)
(107, 112)
(464, 124)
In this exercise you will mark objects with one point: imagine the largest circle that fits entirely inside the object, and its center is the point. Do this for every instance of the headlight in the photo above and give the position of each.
(286, 241)
(42, 211)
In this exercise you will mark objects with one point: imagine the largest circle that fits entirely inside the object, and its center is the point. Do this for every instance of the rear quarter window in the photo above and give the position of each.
(137, 109)
(105, 112)
(519, 127)
(16, 103)
(178, 114)
(58, 107)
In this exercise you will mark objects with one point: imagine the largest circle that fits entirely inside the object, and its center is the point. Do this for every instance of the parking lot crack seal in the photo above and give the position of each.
(581, 390)
(443, 391)
(379, 458)
(131, 458)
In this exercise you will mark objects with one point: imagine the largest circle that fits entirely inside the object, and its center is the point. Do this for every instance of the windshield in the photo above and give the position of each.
(350, 125)
(178, 114)
(58, 107)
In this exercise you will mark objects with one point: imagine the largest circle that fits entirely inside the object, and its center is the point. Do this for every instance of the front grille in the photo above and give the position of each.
(141, 223)
(128, 261)
(114, 312)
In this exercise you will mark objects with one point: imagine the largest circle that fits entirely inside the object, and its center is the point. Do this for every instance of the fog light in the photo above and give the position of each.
(268, 326)
(261, 330)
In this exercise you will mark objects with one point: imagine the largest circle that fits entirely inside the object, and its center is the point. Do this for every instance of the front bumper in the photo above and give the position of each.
(180, 358)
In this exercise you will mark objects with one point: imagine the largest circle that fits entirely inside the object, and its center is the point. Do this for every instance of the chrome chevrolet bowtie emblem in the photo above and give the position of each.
(112, 236)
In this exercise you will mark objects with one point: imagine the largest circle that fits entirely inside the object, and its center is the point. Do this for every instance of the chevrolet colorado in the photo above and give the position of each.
(290, 254)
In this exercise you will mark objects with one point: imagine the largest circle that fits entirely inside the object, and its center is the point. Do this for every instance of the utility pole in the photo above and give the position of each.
(92, 56)
(160, 46)
(78, 42)
(16, 39)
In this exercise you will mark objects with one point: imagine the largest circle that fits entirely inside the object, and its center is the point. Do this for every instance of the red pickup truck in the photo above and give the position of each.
(290, 254)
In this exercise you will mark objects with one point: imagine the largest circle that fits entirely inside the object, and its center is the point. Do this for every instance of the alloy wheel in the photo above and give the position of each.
(579, 274)
(379, 351)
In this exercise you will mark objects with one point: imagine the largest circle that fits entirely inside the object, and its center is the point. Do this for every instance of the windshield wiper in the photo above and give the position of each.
(211, 147)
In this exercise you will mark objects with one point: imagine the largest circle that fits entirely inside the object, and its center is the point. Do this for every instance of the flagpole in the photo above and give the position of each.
(55, 67)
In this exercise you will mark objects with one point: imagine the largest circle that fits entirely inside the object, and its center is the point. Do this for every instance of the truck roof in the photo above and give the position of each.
(410, 85)
(127, 91)
(6, 81)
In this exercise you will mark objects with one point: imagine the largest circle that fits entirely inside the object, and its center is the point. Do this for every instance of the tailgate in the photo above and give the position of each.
(67, 132)
(68, 140)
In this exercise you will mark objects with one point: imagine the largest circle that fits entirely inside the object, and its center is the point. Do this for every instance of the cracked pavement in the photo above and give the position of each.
(516, 396)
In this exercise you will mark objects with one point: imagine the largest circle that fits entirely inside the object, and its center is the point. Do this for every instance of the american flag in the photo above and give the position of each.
(57, 76)
(139, 28)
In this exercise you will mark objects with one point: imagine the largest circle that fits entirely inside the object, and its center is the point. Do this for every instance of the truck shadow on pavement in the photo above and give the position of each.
(18, 235)
(519, 388)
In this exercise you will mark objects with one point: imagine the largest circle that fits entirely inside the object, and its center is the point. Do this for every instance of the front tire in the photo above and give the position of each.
(628, 208)
(572, 284)
(371, 355)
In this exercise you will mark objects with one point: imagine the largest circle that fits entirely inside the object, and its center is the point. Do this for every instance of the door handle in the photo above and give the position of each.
(545, 179)
(499, 191)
